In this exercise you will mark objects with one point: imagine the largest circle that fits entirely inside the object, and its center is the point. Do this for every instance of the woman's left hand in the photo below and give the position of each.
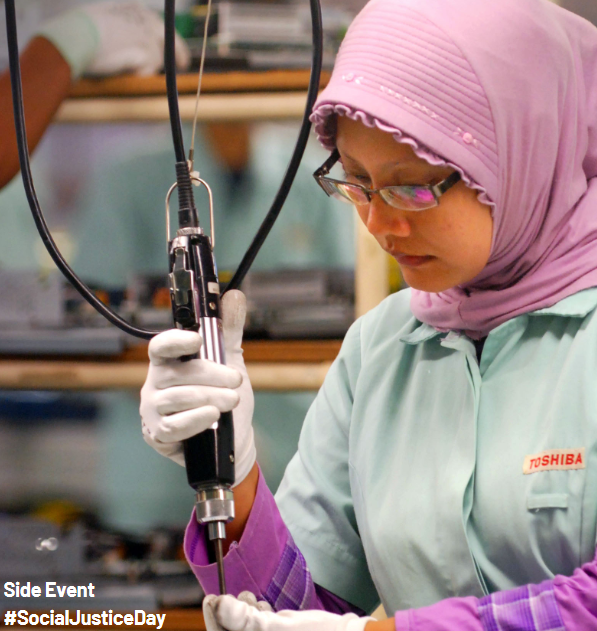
(232, 614)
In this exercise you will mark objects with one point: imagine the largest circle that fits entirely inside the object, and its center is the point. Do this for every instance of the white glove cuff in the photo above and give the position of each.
(76, 38)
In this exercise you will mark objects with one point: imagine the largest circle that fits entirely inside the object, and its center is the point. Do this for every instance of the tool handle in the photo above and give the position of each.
(209, 456)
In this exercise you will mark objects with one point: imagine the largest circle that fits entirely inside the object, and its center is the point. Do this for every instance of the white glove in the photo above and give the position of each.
(232, 614)
(106, 38)
(181, 399)
(209, 603)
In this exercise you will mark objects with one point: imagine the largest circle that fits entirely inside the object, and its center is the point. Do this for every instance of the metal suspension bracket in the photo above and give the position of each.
(182, 280)
(197, 181)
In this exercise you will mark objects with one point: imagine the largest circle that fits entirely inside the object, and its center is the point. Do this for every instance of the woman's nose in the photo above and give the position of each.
(384, 220)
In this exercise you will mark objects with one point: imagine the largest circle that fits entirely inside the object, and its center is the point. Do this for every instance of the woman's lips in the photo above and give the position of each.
(410, 260)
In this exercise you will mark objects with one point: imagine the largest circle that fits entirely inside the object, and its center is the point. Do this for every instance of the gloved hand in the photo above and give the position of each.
(209, 603)
(232, 614)
(106, 38)
(181, 399)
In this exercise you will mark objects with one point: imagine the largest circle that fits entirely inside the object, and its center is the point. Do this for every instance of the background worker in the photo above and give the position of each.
(100, 39)
(448, 466)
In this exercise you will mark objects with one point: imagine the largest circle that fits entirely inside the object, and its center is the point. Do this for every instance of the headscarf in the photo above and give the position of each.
(505, 91)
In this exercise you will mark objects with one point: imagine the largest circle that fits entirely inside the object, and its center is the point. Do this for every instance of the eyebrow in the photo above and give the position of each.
(388, 165)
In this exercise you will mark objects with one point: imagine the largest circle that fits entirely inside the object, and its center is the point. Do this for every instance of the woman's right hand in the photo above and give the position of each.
(182, 399)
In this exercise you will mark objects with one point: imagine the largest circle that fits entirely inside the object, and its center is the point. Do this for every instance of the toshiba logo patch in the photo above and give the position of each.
(555, 460)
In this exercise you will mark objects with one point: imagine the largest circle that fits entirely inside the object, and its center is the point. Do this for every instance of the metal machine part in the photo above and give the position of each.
(215, 507)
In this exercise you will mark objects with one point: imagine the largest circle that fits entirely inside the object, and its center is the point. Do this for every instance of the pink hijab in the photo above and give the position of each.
(506, 92)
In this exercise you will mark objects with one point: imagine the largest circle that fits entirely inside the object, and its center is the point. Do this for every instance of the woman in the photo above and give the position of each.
(447, 466)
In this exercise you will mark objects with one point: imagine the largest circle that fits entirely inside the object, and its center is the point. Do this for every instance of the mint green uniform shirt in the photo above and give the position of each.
(408, 485)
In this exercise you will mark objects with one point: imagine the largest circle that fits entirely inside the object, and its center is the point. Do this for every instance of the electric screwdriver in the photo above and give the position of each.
(195, 296)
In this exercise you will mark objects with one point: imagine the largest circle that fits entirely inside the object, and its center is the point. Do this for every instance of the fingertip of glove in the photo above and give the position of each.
(234, 309)
(248, 597)
(209, 613)
(237, 380)
(174, 343)
(229, 611)
(229, 377)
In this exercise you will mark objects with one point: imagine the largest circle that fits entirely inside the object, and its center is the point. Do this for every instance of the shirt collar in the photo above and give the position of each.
(422, 333)
(576, 306)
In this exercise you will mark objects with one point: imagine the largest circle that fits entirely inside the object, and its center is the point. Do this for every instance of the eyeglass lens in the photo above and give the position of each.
(408, 197)
(404, 197)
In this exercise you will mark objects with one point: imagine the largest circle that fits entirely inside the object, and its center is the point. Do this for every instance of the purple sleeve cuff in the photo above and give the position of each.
(526, 608)
(577, 597)
(265, 562)
(250, 563)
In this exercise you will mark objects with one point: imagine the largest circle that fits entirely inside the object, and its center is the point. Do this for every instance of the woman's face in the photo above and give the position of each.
(436, 249)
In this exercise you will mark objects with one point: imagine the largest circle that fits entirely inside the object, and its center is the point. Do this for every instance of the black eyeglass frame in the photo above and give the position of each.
(437, 190)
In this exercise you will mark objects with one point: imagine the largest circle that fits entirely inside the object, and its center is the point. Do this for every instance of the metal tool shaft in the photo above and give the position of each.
(220, 563)
(216, 531)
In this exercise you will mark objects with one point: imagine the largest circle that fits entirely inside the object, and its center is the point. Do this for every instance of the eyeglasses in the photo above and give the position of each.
(414, 198)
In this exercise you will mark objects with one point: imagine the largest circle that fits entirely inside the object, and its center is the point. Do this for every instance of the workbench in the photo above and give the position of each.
(264, 95)
(272, 365)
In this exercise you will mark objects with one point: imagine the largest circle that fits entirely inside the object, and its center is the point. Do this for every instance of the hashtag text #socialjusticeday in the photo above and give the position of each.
(78, 617)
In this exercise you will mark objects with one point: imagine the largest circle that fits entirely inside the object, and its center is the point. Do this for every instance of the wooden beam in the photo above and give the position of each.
(212, 107)
(213, 82)
(73, 375)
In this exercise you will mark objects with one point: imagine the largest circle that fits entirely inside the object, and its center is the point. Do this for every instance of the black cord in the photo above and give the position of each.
(172, 88)
(297, 156)
(19, 116)
(187, 212)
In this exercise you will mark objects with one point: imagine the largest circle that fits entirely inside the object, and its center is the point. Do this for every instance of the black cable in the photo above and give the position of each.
(297, 156)
(187, 212)
(171, 87)
(19, 116)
